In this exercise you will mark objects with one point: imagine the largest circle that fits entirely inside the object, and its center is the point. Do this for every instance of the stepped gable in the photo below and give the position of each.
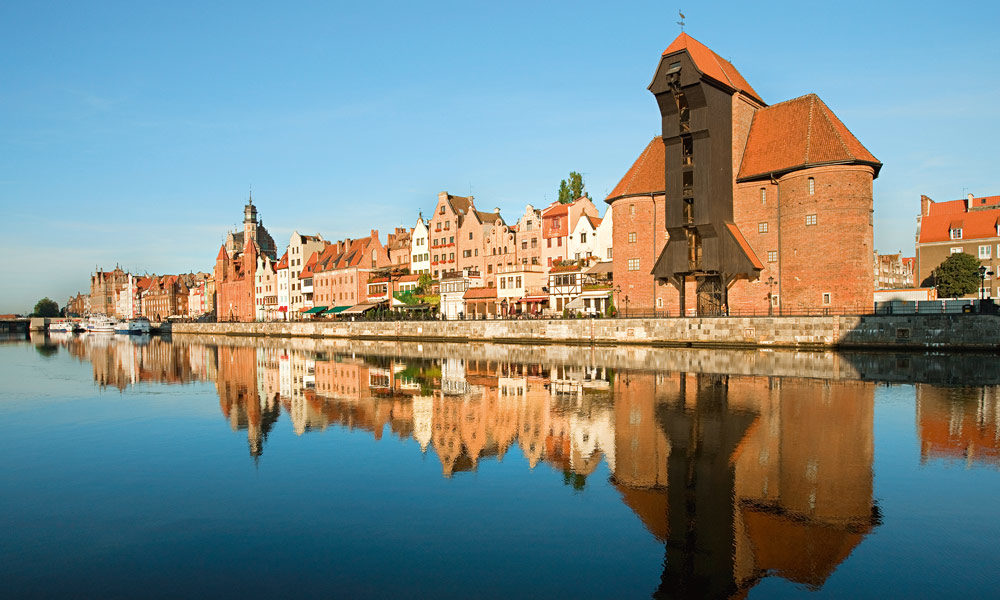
(646, 176)
(712, 65)
(798, 134)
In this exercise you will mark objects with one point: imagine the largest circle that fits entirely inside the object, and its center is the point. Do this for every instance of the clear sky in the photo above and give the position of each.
(131, 132)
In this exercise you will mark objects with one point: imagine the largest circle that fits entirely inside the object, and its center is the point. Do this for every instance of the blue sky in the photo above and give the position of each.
(131, 132)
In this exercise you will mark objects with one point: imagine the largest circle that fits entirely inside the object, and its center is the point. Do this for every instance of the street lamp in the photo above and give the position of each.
(618, 294)
(770, 295)
(983, 272)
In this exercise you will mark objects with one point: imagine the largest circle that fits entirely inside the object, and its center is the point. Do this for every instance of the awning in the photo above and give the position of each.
(314, 310)
(600, 268)
(282, 309)
(538, 299)
(336, 309)
(357, 309)
(575, 303)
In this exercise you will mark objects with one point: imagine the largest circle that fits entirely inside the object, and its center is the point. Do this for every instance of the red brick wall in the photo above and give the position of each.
(833, 256)
(647, 221)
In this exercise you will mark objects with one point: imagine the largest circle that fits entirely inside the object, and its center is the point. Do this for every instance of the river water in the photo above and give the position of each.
(261, 468)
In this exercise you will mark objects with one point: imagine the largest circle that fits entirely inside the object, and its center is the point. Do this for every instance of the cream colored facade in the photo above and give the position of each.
(420, 257)
(300, 247)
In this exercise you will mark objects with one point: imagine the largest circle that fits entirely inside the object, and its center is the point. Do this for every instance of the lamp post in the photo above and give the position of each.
(618, 295)
(983, 272)
(626, 306)
(770, 295)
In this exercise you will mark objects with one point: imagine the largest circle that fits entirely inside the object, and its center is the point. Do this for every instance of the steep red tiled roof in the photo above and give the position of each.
(489, 217)
(975, 224)
(555, 209)
(223, 255)
(283, 263)
(647, 175)
(711, 64)
(460, 204)
(409, 278)
(797, 134)
(733, 229)
(307, 270)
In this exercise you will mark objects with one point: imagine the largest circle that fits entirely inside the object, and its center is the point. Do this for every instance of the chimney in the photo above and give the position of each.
(925, 205)
(375, 234)
(968, 202)
(496, 210)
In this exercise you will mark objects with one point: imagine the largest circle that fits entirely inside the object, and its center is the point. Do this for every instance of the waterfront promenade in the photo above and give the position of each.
(890, 332)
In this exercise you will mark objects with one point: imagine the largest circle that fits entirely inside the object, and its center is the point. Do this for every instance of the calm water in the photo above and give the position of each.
(157, 468)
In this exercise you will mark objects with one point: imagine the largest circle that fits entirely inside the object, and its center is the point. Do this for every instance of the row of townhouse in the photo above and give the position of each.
(122, 295)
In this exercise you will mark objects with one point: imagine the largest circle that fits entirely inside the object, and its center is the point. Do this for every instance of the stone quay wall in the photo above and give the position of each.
(891, 332)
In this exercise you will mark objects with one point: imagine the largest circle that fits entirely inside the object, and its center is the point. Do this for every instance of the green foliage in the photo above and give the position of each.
(609, 310)
(957, 276)
(572, 189)
(424, 283)
(46, 308)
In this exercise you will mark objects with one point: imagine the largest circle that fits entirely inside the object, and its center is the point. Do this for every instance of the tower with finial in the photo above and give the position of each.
(250, 220)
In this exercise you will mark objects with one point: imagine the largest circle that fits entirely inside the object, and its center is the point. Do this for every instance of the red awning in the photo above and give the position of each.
(530, 299)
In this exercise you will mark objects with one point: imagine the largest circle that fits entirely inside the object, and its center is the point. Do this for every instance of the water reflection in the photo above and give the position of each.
(738, 476)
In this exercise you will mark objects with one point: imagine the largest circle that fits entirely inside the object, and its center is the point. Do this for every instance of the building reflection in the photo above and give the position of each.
(959, 423)
(739, 477)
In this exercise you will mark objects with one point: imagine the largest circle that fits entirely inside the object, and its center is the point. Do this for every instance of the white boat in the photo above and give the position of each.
(136, 326)
(61, 327)
(100, 324)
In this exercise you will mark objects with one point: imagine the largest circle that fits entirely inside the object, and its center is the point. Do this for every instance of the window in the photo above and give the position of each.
(633, 264)
(528, 225)
(609, 253)
(534, 242)
(583, 238)
(447, 225)
(577, 256)
(956, 250)
(812, 186)
(631, 237)
(810, 219)
(466, 253)
(442, 209)
(763, 196)
(470, 235)
(549, 242)
(659, 303)
(524, 245)
(451, 240)
(984, 251)
(826, 298)
(956, 233)
(489, 268)
(631, 209)
(772, 256)
(559, 242)
(761, 227)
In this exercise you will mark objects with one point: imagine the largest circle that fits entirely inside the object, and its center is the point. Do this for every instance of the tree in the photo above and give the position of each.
(957, 276)
(424, 283)
(572, 189)
(46, 308)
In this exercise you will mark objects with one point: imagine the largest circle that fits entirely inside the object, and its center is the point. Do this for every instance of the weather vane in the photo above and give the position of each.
(681, 22)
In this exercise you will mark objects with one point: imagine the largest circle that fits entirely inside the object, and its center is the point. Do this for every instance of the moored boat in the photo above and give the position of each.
(61, 326)
(136, 326)
(100, 324)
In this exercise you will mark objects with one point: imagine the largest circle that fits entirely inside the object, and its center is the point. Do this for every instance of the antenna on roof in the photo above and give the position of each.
(681, 22)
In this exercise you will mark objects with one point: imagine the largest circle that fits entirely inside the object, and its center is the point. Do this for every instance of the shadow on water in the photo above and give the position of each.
(763, 470)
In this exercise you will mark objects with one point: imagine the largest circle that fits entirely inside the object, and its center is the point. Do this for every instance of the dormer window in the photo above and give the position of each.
(956, 233)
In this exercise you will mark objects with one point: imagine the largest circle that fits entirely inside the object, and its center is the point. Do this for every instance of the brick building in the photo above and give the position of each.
(893, 271)
(235, 270)
(758, 200)
(166, 296)
(78, 305)
(342, 271)
(499, 249)
(970, 225)
(104, 288)
(398, 244)
(458, 232)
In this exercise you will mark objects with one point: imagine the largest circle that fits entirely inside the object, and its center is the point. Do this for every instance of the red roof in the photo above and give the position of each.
(480, 293)
(554, 210)
(711, 64)
(733, 229)
(977, 223)
(647, 175)
(307, 270)
(797, 134)
(283, 263)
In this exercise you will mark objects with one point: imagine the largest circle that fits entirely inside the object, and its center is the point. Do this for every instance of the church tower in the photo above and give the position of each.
(250, 220)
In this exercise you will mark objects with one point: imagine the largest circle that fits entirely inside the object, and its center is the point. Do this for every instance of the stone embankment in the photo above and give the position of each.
(897, 332)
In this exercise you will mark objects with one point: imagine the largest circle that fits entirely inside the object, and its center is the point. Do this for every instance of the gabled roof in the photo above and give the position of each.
(977, 223)
(460, 204)
(283, 263)
(798, 134)
(711, 64)
(554, 210)
(223, 255)
(489, 217)
(647, 175)
(307, 270)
